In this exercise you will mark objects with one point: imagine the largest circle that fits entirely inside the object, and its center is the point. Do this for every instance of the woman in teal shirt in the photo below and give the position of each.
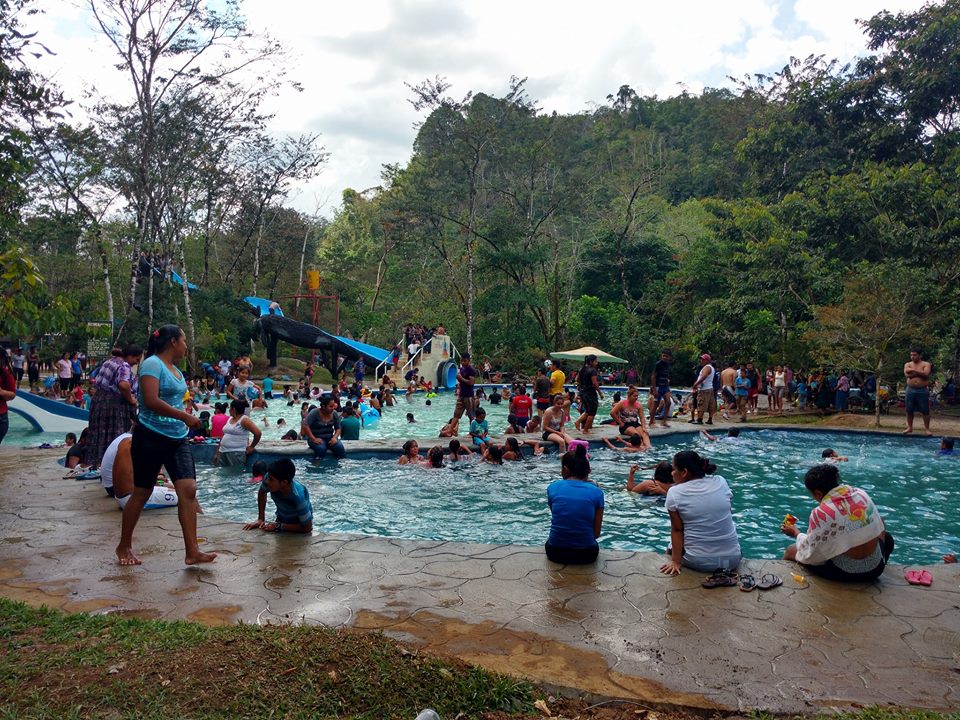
(159, 440)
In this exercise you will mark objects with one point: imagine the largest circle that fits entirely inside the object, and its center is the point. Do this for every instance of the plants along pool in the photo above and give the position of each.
(916, 491)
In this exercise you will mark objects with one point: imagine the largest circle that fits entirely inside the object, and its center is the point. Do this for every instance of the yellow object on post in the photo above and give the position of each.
(313, 280)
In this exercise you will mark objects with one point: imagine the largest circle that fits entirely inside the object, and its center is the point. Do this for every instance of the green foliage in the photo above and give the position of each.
(25, 306)
(724, 221)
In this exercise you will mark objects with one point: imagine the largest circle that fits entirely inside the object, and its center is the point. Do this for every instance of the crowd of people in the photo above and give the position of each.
(144, 411)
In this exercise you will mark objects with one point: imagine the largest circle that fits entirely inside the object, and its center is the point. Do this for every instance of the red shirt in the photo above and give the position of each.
(521, 405)
(7, 382)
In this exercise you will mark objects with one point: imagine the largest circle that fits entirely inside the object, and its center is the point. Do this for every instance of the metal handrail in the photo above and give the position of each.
(376, 370)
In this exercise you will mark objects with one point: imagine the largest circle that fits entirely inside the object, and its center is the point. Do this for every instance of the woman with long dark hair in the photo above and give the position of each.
(576, 511)
(702, 533)
(8, 391)
(113, 407)
(159, 440)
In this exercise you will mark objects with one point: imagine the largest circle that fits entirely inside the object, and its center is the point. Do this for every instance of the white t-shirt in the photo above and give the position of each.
(704, 507)
(109, 457)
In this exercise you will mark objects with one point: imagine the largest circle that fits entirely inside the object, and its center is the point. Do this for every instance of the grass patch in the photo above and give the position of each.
(57, 665)
(54, 665)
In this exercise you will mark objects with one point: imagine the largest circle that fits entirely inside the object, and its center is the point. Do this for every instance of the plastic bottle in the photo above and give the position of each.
(428, 714)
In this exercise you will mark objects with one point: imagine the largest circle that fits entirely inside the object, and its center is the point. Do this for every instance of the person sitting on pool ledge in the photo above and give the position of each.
(294, 511)
(576, 508)
(116, 477)
(845, 539)
(703, 536)
(321, 429)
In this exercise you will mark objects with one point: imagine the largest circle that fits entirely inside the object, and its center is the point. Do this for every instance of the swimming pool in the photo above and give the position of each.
(917, 493)
(393, 423)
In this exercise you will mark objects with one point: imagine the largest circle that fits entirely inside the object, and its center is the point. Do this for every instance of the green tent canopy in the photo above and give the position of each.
(580, 353)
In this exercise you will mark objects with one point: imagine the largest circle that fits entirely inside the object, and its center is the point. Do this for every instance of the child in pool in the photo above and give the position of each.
(480, 429)
(435, 457)
(661, 482)
(258, 470)
(451, 429)
(492, 454)
(410, 418)
(633, 443)
(411, 453)
(457, 451)
(294, 511)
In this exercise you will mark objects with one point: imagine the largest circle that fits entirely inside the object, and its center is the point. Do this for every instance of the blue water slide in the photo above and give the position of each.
(262, 305)
(179, 280)
(369, 352)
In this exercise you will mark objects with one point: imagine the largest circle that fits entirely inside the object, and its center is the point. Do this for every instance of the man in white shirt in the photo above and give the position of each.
(18, 361)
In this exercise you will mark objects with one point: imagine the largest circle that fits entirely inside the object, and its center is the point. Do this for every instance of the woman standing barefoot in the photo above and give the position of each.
(159, 440)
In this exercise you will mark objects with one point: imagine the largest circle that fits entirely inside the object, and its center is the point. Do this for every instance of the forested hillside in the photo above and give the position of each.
(812, 216)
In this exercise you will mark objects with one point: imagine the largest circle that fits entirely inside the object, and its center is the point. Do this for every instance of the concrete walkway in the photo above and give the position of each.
(619, 629)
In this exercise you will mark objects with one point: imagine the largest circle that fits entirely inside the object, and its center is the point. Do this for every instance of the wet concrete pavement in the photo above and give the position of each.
(619, 629)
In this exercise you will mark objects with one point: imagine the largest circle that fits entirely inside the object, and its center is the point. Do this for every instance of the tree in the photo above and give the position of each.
(879, 314)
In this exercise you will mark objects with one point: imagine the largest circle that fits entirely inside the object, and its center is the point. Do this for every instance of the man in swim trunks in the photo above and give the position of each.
(918, 372)
(660, 387)
(541, 391)
(466, 379)
(728, 381)
(116, 476)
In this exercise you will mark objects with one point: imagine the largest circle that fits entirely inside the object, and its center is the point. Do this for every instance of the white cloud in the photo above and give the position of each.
(353, 59)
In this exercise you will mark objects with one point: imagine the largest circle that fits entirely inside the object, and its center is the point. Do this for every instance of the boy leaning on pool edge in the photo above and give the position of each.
(294, 511)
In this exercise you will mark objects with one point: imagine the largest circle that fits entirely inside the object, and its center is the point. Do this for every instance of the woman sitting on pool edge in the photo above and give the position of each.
(703, 536)
(845, 539)
(576, 508)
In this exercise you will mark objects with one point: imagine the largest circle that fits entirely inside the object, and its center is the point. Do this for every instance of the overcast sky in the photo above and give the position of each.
(353, 58)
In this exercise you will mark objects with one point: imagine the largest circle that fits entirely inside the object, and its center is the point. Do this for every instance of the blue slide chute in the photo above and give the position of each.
(262, 305)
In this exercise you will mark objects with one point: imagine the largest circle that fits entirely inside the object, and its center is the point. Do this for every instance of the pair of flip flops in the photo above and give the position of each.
(768, 581)
(721, 578)
(919, 577)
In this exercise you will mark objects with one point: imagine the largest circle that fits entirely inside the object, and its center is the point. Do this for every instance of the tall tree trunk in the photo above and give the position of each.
(469, 294)
(150, 299)
(188, 312)
(256, 256)
(876, 401)
(105, 271)
(955, 371)
(303, 256)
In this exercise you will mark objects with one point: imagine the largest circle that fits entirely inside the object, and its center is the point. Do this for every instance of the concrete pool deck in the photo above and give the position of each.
(619, 629)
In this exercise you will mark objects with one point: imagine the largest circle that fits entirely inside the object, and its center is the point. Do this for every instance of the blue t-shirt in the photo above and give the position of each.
(479, 428)
(172, 389)
(77, 367)
(743, 386)
(574, 504)
(294, 508)
(268, 385)
(802, 389)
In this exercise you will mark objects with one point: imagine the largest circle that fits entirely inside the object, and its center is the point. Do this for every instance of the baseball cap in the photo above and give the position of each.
(705, 357)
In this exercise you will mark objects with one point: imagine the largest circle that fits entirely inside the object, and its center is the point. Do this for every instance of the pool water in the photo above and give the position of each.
(392, 424)
(393, 421)
(917, 493)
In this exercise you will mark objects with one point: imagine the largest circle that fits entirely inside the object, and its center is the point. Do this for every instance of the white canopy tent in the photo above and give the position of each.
(580, 353)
